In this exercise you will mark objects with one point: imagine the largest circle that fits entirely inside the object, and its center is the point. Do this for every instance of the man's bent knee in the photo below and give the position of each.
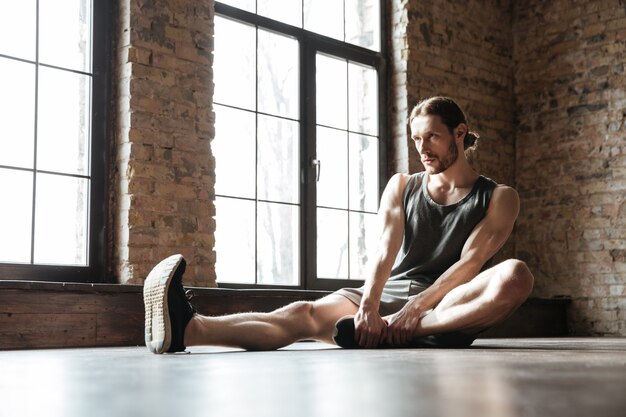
(301, 313)
(514, 282)
(315, 319)
(303, 310)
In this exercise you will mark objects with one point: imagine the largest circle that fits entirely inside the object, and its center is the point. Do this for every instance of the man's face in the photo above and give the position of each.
(436, 146)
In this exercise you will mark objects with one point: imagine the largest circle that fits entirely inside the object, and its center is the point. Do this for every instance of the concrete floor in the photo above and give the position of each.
(496, 377)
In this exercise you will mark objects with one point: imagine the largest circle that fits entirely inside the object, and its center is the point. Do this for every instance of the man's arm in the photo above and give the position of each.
(483, 243)
(370, 327)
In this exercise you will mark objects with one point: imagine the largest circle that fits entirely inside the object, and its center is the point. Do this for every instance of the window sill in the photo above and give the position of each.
(36, 314)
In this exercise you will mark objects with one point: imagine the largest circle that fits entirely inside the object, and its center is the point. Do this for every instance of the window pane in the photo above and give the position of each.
(17, 113)
(332, 152)
(65, 33)
(61, 220)
(247, 5)
(332, 243)
(324, 17)
(287, 11)
(234, 69)
(18, 28)
(234, 241)
(16, 189)
(279, 155)
(363, 104)
(235, 152)
(332, 91)
(363, 240)
(363, 173)
(278, 75)
(363, 23)
(63, 121)
(278, 249)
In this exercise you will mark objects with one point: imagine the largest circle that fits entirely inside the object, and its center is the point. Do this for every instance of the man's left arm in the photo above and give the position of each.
(483, 243)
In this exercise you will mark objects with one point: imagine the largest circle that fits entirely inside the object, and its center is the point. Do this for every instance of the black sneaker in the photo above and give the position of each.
(167, 309)
(343, 334)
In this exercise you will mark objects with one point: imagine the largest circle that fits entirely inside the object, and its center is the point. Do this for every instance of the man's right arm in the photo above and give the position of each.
(370, 327)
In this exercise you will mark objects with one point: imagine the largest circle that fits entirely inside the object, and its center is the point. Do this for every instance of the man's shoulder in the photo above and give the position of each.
(403, 178)
(505, 190)
(399, 181)
(399, 176)
(504, 197)
(497, 187)
(398, 185)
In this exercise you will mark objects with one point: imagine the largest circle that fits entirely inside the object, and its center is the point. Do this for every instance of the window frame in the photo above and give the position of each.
(95, 271)
(310, 44)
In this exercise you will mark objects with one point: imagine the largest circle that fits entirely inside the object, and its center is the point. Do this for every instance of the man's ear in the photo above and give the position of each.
(459, 132)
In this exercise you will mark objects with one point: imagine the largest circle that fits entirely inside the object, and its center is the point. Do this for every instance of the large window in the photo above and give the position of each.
(52, 95)
(299, 140)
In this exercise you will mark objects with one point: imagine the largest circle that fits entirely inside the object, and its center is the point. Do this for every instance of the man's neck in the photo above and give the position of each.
(459, 175)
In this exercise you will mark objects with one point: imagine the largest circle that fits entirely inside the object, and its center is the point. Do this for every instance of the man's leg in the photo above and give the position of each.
(171, 323)
(267, 331)
(489, 298)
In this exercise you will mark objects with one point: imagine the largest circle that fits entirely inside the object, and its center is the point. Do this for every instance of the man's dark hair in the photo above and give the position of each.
(450, 114)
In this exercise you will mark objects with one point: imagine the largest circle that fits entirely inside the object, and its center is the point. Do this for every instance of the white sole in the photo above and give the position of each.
(158, 328)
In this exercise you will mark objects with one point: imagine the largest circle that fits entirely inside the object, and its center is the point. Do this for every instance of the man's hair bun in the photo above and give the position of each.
(471, 140)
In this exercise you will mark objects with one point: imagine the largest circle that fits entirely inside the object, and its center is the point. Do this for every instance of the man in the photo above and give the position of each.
(429, 283)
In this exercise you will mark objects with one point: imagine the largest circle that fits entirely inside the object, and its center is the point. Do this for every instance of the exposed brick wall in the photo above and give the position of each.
(462, 50)
(164, 169)
(571, 155)
(398, 102)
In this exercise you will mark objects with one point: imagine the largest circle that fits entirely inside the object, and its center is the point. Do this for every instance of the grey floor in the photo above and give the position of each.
(496, 377)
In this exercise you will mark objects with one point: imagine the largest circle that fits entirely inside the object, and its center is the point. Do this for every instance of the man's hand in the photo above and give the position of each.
(403, 324)
(370, 328)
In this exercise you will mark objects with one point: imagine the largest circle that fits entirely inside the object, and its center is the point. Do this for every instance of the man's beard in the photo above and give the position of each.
(447, 161)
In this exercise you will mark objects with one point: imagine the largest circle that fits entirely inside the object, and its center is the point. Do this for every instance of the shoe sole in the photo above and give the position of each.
(158, 327)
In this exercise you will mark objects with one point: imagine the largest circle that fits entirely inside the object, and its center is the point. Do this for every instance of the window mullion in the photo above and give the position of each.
(35, 121)
(256, 153)
(348, 152)
(308, 140)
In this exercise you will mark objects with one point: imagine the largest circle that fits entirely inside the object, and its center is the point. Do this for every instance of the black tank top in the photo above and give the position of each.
(434, 234)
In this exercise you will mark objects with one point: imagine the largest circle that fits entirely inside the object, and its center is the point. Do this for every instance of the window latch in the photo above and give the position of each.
(317, 164)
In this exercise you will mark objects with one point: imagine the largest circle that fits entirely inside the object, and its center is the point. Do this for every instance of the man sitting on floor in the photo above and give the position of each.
(430, 283)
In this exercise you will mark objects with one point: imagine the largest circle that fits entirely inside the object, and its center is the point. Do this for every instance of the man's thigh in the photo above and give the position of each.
(506, 284)
(473, 288)
(510, 278)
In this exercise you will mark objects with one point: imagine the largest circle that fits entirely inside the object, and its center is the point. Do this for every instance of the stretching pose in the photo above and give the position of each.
(429, 284)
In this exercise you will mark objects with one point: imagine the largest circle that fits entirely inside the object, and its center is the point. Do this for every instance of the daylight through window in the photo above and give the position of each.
(45, 134)
(298, 140)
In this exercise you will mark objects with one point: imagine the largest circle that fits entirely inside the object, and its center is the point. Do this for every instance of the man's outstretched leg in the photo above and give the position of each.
(171, 323)
(301, 320)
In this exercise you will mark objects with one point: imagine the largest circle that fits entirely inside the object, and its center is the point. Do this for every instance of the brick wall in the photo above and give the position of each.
(163, 175)
(462, 50)
(400, 153)
(571, 155)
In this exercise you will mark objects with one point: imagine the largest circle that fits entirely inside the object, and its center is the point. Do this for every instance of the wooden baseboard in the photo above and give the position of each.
(57, 315)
